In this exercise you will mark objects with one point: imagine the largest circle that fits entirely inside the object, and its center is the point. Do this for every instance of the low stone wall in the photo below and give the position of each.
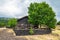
(36, 31)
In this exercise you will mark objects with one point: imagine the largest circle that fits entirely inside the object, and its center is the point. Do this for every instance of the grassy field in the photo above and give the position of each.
(8, 34)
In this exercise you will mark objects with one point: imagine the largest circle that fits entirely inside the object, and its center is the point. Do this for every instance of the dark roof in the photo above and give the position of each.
(22, 18)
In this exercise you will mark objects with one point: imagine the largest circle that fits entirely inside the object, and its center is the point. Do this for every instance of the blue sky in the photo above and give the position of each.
(18, 8)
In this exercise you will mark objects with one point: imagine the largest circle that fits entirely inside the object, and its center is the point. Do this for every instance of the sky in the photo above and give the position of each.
(19, 8)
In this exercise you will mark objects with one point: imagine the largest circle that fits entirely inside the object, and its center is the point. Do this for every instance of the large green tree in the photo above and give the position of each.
(41, 13)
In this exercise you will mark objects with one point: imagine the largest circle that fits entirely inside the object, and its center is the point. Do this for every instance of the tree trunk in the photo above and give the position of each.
(40, 25)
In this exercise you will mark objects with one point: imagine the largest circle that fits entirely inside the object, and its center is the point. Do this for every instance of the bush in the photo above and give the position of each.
(58, 23)
(2, 22)
(12, 23)
(8, 22)
(31, 31)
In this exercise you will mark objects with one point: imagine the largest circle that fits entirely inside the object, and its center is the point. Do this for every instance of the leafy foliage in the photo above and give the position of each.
(8, 22)
(52, 24)
(31, 31)
(3, 22)
(41, 13)
(12, 22)
(58, 23)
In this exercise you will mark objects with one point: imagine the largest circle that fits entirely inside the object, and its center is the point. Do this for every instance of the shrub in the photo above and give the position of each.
(2, 22)
(58, 23)
(31, 31)
(12, 23)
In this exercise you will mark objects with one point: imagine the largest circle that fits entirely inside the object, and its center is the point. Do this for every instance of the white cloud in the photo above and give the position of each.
(10, 7)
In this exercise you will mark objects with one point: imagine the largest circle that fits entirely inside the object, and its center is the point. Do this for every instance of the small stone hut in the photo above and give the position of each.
(23, 23)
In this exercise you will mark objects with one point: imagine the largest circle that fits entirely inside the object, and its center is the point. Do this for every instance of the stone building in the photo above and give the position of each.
(22, 23)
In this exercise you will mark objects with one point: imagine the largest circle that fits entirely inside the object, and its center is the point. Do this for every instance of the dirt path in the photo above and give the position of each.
(8, 34)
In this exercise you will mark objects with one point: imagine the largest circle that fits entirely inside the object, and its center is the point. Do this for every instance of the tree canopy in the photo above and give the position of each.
(41, 13)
